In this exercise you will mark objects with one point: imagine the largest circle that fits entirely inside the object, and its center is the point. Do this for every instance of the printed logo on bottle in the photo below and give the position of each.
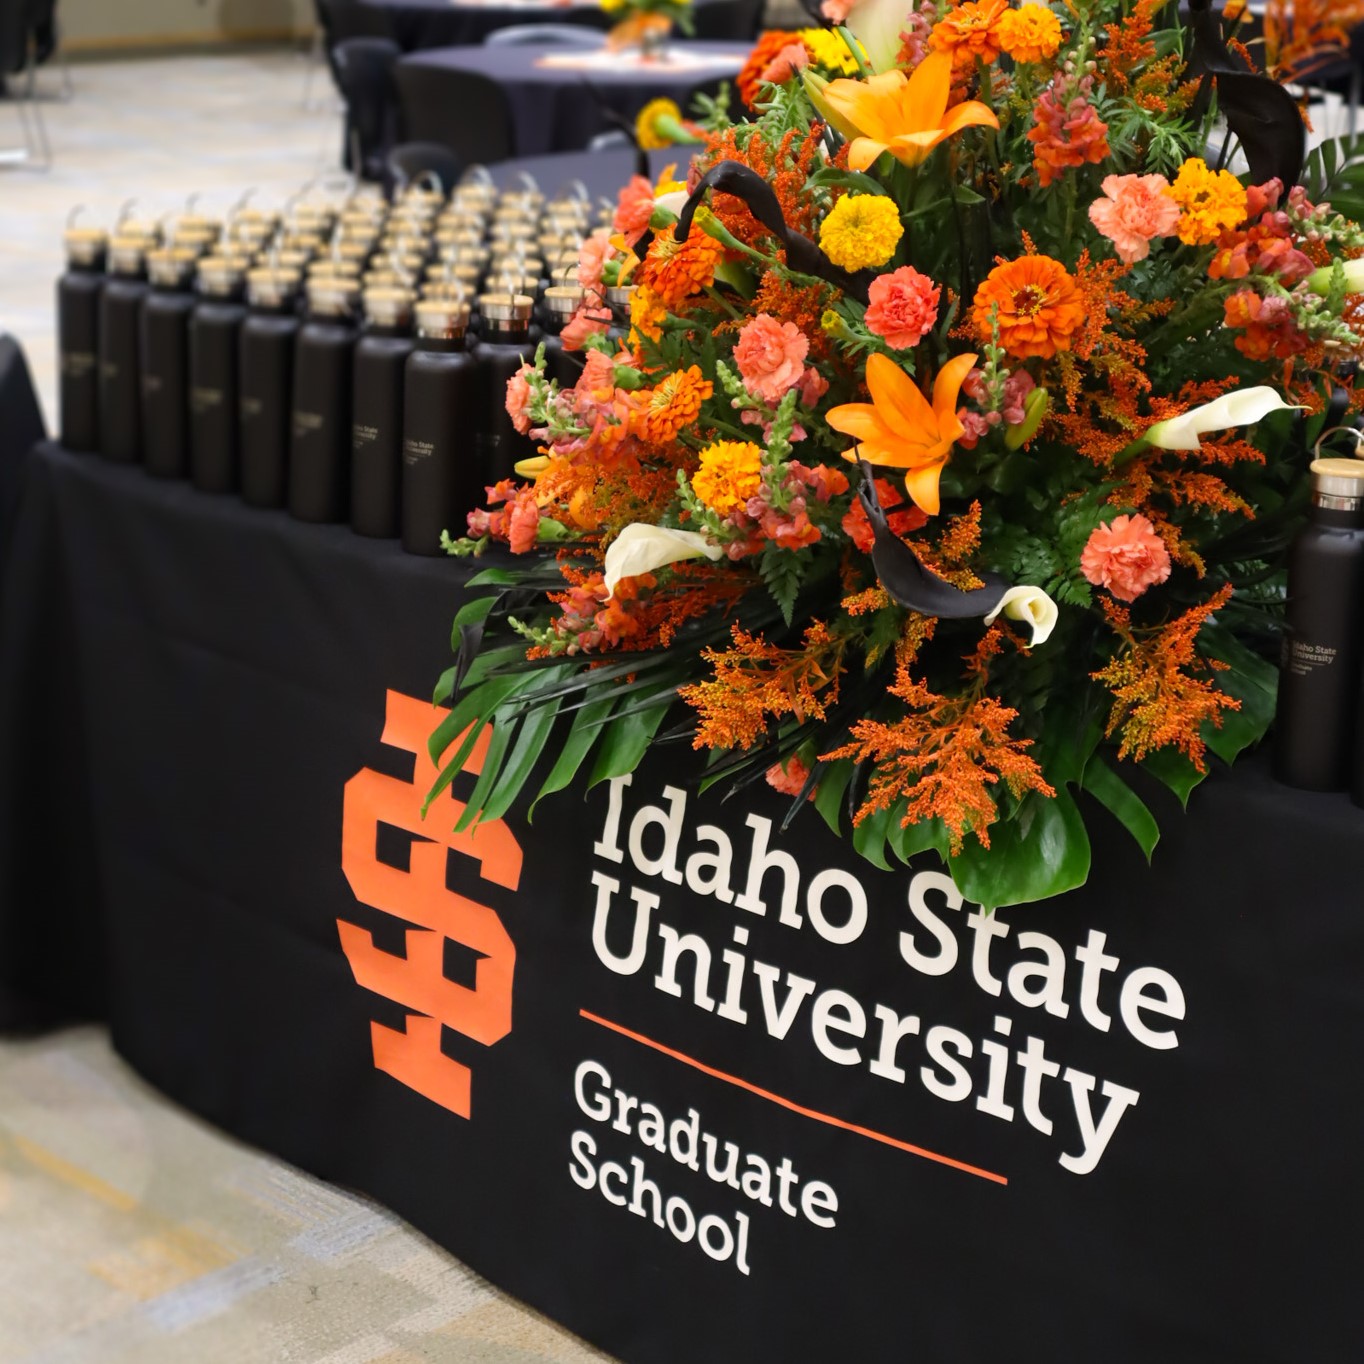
(419, 896)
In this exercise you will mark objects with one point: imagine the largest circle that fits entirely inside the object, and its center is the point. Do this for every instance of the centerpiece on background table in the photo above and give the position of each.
(647, 25)
(944, 463)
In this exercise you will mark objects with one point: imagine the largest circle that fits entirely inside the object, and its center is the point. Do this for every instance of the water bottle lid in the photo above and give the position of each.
(269, 287)
(465, 273)
(1338, 478)
(221, 275)
(128, 253)
(442, 319)
(171, 266)
(563, 299)
(84, 245)
(333, 295)
(328, 266)
(388, 306)
(505, 307)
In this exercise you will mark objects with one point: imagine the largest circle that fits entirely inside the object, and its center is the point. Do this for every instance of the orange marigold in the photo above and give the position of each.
(1036, 305)
(970, 32)
(674, 405)
(1031, 33)
(675, 270)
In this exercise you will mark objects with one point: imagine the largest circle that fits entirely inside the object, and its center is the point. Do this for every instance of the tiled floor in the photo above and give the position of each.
(156, 131)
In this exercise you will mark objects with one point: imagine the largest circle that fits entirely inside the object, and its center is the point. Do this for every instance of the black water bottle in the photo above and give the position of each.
(443, 401)
(1323, 640)
(214, 336)
(120, 322)
(561, 301)
(504, 346)
(265, 378)
(164, 361)
(377, 414)
(320, 422)
(78, 308)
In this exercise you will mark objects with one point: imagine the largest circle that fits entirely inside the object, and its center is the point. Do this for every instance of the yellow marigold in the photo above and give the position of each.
(828, 49)
(647, 314)
(970, 32)
(1030, 34)
(1212, 202)
(674, 405)
(862, 230)
(676, 270)
(730, 473)
(651, 137)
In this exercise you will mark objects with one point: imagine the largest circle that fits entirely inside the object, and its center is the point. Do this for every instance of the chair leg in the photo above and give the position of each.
(68, 86)
(26, 109)
(42, 146)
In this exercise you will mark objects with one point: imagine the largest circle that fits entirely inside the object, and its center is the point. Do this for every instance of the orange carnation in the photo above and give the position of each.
(749, 81)
(1036, 306)
(970, 32)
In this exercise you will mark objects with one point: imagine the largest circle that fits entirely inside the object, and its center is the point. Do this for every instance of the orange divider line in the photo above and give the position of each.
(793, 1106)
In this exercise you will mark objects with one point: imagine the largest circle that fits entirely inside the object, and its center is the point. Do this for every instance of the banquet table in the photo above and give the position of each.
(696, 1088)
(418, 24)
(556, 94)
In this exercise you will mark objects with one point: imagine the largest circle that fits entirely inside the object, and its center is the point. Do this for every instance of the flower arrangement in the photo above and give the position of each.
(646, 24)
(943, 464)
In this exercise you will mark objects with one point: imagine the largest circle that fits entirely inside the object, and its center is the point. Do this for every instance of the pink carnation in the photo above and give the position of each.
(1137, 210)
(518, 399)
(771, 357)
(903, 307)
(633, 212)
(1126, 556)
(592, 256)
(792, 58)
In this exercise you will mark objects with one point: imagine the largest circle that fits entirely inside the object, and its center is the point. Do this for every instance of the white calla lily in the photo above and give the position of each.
(641, 548)
(876, 24)
(1033, 607)
(673, 200)
(1244, 407)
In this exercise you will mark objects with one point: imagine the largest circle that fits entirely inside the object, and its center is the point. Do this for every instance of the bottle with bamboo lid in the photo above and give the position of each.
(505, 345)
(560, 302)
(381, 357)
(1323, 639)
(78, 309)
(265, 380)
(120, 325)
(164, 360)
(320, 440)
(214, 354)
(442, 406)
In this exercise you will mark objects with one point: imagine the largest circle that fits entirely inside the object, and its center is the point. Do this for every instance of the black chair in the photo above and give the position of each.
(409, 160)
(21, 428)
(20, 23)
(364, 71)
(465, 111)
(728, 20)
(568, 35)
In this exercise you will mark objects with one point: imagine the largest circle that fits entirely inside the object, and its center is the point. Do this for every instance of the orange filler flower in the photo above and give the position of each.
(900, 429)
(904, 115)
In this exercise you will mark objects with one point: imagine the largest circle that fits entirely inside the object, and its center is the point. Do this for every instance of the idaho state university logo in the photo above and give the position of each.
(420, 896)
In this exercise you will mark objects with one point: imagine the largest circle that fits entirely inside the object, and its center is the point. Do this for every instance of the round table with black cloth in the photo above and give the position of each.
(555, 109)
(602, 173)
(416, 25)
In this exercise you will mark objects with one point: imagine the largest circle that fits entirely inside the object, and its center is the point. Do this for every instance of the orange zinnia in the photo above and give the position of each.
(901, 429)
(1038, 307)
(674, 404)
(904, 115)
(970, 32)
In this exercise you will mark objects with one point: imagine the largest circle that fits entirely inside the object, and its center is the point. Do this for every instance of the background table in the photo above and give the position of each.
(208, 795)
(555, 109)
(418, 24)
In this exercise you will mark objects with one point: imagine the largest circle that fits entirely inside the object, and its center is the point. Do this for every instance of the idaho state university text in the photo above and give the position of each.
(1003, 1073)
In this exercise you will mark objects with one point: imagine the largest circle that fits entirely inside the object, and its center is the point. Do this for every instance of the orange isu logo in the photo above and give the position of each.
(419, 895)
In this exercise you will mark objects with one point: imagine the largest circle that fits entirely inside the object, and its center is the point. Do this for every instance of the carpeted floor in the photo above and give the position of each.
(132, 1233)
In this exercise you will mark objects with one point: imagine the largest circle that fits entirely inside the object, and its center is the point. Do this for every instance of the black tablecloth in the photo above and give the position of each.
(418, 24)
(1119, 1126)
(603, 172)
(559, 110)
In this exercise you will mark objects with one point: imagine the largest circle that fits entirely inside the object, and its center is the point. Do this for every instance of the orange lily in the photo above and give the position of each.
(906, 116)
(900, 429)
